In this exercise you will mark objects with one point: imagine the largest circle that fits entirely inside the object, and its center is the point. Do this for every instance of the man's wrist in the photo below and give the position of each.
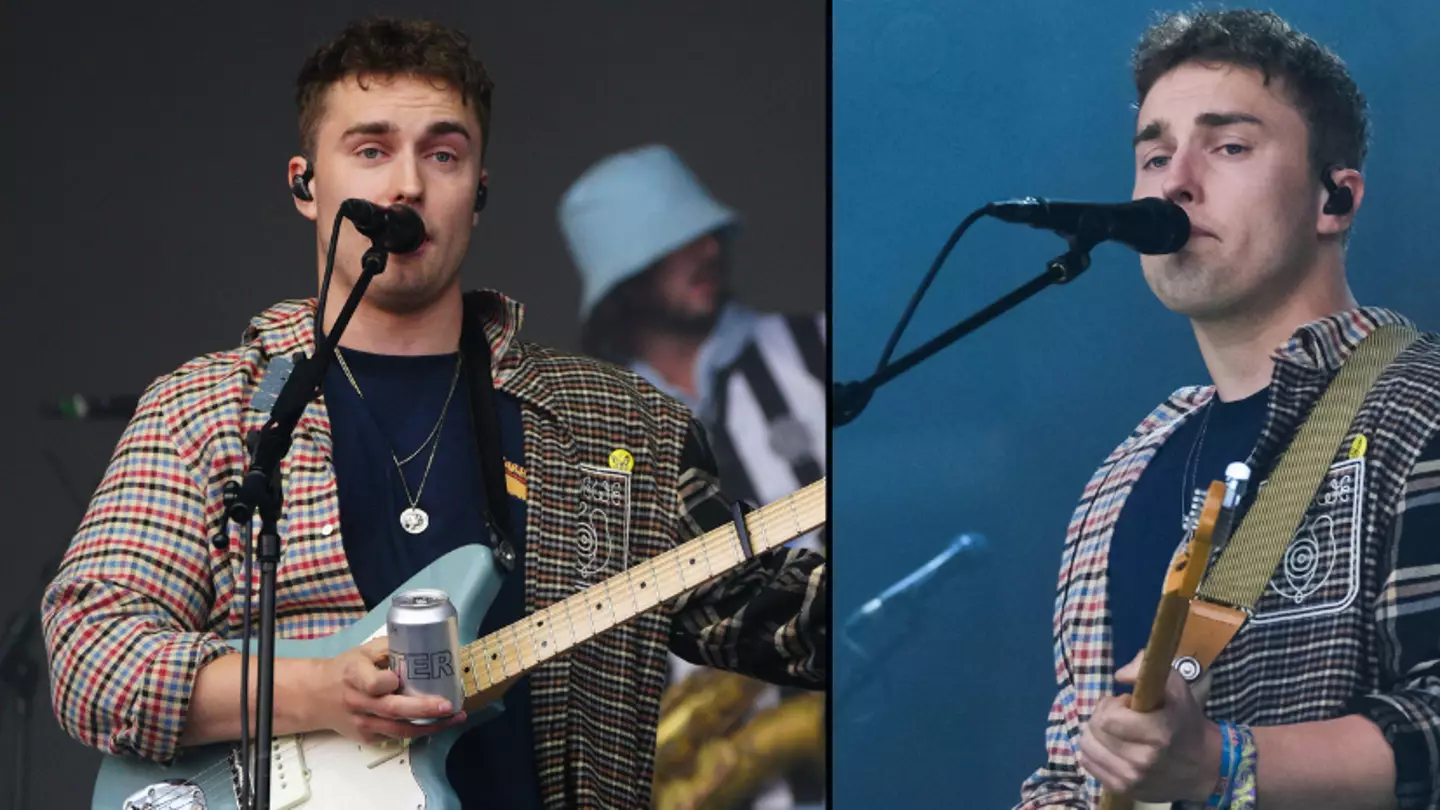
(1210, 765)
(299, 704)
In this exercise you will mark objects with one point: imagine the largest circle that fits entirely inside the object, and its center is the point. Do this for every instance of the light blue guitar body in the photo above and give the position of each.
(334, 771)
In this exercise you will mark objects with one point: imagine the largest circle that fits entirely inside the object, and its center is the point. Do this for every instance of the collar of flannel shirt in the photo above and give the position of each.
(1318, 347)
(290, 325)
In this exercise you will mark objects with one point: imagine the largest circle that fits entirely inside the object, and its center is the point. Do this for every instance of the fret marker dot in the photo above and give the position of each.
(642, 586)
(692, 560)
(494, 656)
(602, 604)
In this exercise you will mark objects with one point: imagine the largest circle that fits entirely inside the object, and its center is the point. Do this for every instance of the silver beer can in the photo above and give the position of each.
(423, 632)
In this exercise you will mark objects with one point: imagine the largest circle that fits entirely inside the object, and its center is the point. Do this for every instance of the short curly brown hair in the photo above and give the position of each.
(1316, 80)
(382, 46)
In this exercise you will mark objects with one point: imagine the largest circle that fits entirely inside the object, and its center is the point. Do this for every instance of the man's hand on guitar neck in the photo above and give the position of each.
(1170, 754)
(1173, 754)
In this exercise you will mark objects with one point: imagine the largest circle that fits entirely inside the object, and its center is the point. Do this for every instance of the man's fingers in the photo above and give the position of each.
(1131, 671)
(405, 707)
(1119, 725)
(375, 682)
(376, 650)
(1103, 764)
(373, 728)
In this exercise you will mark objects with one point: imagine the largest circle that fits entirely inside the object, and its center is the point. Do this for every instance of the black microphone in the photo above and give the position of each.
(395, 228)
(80, 407)
(1151, 225)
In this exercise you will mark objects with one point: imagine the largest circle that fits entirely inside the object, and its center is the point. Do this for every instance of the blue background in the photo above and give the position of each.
(940, 107)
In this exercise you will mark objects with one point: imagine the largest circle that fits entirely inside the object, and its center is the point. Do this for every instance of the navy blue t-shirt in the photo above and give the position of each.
(1149, 528)
(492, 766)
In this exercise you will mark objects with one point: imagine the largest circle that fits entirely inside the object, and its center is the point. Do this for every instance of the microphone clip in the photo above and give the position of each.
(1064, 268)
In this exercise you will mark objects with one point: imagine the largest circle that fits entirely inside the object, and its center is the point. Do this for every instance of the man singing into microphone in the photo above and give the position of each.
(1329, 694)
(391, 469)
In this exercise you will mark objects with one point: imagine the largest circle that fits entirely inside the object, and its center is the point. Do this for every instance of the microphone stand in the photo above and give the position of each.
(871, 663)
(19, 672)
(850, 398)
(907, 598)
(260, 490)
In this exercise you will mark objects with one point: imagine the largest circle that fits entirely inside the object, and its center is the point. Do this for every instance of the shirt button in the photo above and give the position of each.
(328, 530)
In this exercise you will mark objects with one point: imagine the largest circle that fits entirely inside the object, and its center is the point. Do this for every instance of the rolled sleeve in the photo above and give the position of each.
(124, 617)
(1406, 708)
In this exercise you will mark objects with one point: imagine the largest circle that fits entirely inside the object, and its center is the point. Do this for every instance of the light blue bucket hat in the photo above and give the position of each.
(629, 210)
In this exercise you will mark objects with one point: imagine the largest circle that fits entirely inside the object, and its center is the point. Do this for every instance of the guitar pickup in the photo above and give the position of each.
(289, 778)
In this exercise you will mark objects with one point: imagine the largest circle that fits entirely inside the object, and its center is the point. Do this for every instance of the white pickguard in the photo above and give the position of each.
(344, 774)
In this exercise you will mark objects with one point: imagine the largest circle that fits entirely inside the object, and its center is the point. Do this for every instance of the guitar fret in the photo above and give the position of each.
(519, 654)
(680, 571)
(648, 578)
(499, 653)
(470, 668)
(705, 552)
(610, 597)
(590, 615)
(538, 633)
(570, 617)
(795, 516)
(490, 676)
(634, 597)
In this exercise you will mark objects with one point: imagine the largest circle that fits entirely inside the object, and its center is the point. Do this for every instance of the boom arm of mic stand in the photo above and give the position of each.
(261, 489)
(850, 398)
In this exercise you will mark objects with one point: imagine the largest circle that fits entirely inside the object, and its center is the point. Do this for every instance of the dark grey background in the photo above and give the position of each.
(148, 217)
(938, 108)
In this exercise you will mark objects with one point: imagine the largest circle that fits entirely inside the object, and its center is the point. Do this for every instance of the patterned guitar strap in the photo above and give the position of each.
(1234, 584)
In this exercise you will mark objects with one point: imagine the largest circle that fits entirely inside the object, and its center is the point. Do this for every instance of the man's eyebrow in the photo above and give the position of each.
(446, 127)
(1153, 130)
(1225, 119)
(369, 128)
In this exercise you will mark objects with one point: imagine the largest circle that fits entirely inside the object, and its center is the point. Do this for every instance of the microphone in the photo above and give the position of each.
(1151, 225)
(924, 579)
(81, 407)
(396, 228)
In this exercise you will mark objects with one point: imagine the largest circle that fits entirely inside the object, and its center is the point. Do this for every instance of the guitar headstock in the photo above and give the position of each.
(1184, 577)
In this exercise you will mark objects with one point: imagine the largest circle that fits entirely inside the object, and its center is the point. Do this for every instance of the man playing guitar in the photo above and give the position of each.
(386, 475)
(1328, 693)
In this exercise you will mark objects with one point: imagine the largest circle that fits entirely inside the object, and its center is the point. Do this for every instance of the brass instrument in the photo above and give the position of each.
(709, 758)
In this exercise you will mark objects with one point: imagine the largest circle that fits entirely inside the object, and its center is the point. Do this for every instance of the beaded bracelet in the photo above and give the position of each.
(1229, 762)
(1242, 781)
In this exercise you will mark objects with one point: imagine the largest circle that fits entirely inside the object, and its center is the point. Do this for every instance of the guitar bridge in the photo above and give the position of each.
(172, 794)
(289, 778)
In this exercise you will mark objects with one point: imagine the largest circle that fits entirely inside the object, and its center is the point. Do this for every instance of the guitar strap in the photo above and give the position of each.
(1234, 584)
(485, 417)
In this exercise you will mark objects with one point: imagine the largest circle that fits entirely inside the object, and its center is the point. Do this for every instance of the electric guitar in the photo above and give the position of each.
(1210, 522)
(324, 771)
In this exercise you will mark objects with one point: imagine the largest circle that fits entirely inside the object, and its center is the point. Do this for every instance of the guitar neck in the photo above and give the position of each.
(515, 650)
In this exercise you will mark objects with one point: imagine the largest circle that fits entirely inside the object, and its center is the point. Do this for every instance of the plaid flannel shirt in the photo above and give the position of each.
(1349, 623)
(143, 600)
